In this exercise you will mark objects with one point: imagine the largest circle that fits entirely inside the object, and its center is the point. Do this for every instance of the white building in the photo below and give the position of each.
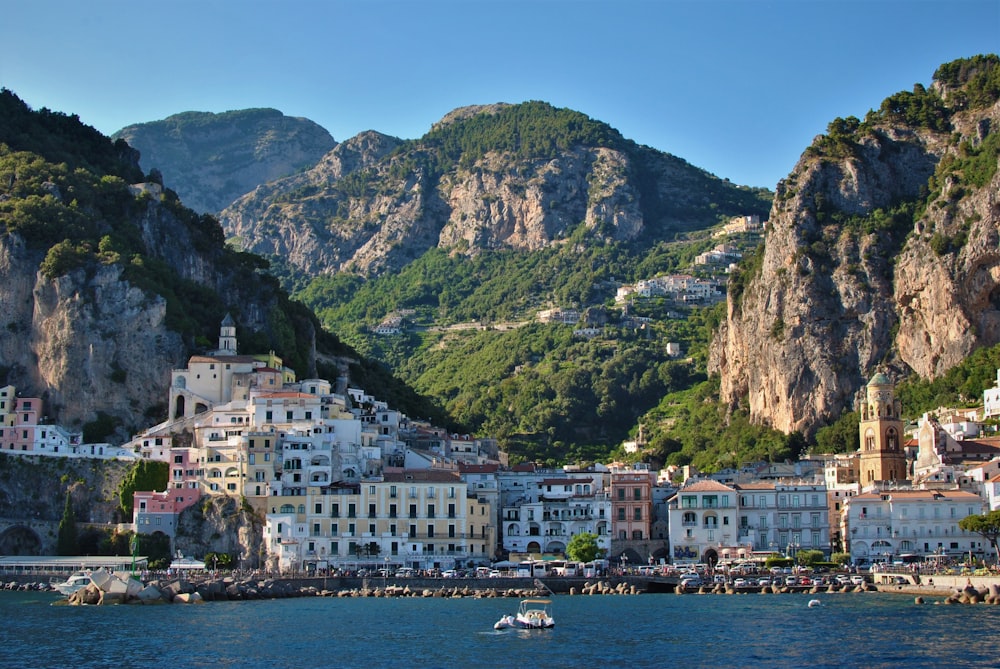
(882, 525)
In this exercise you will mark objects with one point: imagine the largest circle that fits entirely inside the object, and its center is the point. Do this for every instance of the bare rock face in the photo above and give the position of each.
(840, 290)
(524, 180)
(101, 344)
(212, 159)
(498, 202)
(219, 524)
(95, 343)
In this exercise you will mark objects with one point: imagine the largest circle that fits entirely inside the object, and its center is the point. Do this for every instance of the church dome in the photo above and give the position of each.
(880, 379)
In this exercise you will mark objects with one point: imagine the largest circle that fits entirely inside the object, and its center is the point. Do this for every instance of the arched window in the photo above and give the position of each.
(891, 439)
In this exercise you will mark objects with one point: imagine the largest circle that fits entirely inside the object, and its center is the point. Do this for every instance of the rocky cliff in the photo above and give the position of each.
(518, 177)
(212, 159)
(107, 284)
(881, 251)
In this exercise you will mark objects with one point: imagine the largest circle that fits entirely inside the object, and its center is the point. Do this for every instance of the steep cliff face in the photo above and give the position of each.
(219, 524)
(376, 203)
(878, 253)
(212, 159)
(107, 284)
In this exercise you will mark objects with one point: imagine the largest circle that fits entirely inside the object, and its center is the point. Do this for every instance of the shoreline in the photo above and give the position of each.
(221, 588)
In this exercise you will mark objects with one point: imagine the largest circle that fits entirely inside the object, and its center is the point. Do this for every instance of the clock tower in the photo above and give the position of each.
(881, 430)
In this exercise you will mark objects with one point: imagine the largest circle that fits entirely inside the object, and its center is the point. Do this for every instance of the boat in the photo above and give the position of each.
(76, 581)
(532, 614)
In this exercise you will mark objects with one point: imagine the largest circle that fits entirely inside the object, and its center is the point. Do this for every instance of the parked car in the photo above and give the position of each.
(764, 581)
(449, 573)
(740, 583)
(691, 580)
(857, 579)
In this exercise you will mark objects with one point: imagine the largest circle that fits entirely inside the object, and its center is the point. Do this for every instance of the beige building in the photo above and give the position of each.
(882, 457)
(422, 519)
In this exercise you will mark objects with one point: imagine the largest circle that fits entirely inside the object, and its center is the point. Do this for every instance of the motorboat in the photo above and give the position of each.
(76, 581)
(532, 614)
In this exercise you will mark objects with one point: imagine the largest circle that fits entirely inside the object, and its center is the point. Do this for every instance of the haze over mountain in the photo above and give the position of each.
(212, 159)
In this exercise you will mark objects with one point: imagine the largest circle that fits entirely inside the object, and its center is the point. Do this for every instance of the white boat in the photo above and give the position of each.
(76, 581)
(532, 614)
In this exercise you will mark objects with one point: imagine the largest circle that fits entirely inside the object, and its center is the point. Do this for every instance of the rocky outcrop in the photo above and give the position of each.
(376, 203)
(212, 159)
(220, 524)
(845, 285)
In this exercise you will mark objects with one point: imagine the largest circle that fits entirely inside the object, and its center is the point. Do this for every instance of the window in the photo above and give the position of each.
(621, 513)
(335, 510)
(637, 493)
(430, 531)
(392, 491)
(392, 510)
(371, 510)
(318, 507)
(451, 510)
(637, 513)
(413, 511)
(430, 510)
(352, 510)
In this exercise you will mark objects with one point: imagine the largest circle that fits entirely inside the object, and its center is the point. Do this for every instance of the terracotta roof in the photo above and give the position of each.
(239, 359)
(706, 486)
(287, 395)
(421, 476)
(478, 469)
(761, 485)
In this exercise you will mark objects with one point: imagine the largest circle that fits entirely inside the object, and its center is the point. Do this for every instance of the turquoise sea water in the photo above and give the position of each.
(848, 630)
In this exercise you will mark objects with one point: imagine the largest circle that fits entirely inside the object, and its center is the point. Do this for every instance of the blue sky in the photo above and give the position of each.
(738, 88)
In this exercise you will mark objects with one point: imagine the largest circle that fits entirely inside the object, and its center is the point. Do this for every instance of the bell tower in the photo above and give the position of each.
(227, 336)
(881, 430)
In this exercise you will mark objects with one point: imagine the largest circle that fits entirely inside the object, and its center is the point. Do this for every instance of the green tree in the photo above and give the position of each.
(66, 543)
(840, 558)
(809, 557)
(583, 547)
(146, 475)
(986, 525)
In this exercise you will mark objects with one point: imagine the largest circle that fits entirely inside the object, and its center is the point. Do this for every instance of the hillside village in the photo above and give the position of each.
(703, 285)
(343, 480)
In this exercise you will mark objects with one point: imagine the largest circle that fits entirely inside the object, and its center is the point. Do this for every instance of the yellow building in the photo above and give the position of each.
(423, 519)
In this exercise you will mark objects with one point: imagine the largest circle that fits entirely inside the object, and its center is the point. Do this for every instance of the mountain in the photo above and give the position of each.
(502, 176)
(107, 282)
(497, 213)
(212, 159)
(881, 254)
